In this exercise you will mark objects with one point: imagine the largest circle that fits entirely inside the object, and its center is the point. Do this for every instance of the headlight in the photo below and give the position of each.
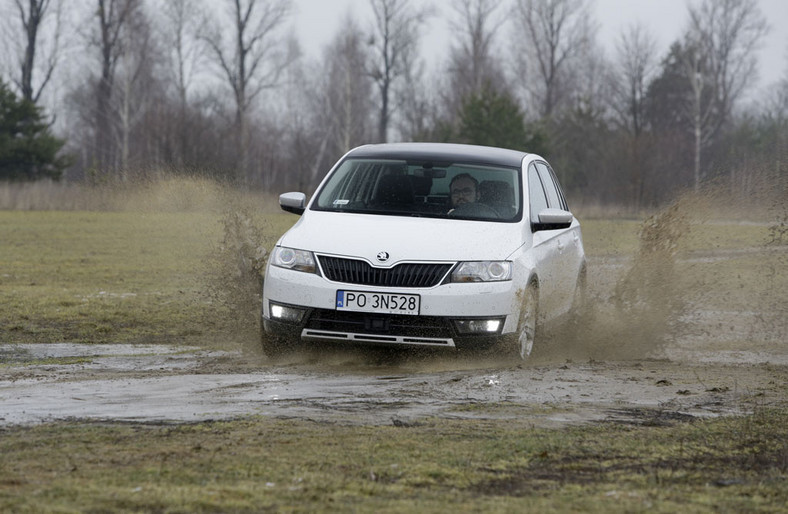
(299, 260)
(482, 271)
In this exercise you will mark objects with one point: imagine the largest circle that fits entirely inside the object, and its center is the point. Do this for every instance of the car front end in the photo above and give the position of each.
(419, 295)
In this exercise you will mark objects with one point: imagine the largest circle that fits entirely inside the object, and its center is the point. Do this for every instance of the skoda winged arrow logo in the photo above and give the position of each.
(383, 256)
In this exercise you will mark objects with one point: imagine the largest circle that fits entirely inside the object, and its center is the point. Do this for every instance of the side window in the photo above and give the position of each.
(554, 193)
(536, 194)
(558, 188)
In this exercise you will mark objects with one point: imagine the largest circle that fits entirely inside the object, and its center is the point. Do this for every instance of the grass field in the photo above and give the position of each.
(150, 276)
(109, 277)
(263, 464)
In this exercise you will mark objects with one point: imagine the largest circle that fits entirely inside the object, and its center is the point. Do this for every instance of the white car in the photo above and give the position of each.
(425, 244)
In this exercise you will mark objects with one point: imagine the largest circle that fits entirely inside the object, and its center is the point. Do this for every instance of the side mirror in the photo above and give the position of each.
(293, 202)
(552, 219)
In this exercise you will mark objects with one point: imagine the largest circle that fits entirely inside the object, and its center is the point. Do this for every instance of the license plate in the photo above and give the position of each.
(385, 303)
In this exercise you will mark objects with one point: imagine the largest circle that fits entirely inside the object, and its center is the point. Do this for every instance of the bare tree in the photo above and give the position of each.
(635, 67)
(135, 79)
(556, 34)
(774, 104)
(473, 64)
(418, 109)
(37, 17)
(394, 44)
(722, 38)
(348, 91)
(636, 64)
(181, 27)
(251, 60)
(112, 16)
(182, 22)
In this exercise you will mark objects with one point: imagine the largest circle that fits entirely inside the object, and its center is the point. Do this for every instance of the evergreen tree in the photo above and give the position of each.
(28, 150)
(493, 118)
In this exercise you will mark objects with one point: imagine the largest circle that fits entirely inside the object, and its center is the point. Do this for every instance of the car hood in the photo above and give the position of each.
(403, 238)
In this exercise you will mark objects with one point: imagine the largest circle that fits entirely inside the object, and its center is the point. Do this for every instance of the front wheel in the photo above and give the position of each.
(520, 345)
(581, 313)
(526, 336)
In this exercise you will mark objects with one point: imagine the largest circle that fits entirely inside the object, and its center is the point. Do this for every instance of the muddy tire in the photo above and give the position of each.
(520, 345)
(580, 305)
(580, 317)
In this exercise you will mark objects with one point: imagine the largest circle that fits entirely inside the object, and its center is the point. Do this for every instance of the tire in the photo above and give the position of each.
(526, 328)
(580, 316)
(520, 345)
(580, 300)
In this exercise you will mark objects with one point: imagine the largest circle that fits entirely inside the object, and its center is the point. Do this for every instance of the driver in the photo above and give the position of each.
(463, 188)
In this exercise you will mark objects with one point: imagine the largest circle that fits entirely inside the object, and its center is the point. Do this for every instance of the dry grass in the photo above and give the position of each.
(161, 193)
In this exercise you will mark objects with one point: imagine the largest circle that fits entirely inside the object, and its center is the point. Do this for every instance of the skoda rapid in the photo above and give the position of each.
(425, 244)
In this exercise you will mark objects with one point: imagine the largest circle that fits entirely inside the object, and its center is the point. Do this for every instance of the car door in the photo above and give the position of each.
(567, 241)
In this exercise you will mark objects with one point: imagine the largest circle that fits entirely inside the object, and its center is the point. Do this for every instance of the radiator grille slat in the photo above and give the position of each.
(352, 271)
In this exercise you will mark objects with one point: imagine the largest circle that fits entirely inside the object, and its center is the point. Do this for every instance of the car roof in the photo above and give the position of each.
(441, 152)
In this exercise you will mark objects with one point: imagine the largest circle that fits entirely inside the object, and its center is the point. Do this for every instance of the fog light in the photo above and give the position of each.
(479, 326)
(286, 313)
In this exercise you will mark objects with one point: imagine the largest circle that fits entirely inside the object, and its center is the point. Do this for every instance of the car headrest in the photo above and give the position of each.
(496, 191)
(394, 189)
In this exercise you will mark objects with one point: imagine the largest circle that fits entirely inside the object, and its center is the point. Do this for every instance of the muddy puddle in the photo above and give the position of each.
(170, 384)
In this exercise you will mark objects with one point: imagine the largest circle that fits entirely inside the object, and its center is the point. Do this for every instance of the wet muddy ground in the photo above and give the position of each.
(170, 384)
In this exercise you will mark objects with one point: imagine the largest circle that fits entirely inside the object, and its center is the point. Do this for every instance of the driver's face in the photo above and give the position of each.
(463, 191)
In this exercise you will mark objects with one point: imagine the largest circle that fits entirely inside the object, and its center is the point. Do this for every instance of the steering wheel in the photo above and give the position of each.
(474, 210)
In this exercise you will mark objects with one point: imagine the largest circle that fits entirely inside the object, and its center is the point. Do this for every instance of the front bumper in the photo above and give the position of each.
(436, 325)
(378, 329)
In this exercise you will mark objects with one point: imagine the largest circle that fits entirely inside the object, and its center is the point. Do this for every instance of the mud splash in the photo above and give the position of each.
(235, 275)
(773, 301)
(634, 305)
(232, 272)
(670, 294)
(644, 310)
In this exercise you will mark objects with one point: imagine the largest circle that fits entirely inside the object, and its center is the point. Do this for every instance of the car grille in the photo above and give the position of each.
(353, 271)
(363, 323)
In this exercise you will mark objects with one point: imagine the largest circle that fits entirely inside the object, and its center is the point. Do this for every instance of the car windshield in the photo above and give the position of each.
(426, 189)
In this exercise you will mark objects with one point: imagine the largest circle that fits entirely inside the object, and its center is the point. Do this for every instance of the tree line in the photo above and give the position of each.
(223, 89)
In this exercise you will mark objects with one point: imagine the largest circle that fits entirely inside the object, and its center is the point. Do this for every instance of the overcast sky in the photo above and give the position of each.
(317, 21)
